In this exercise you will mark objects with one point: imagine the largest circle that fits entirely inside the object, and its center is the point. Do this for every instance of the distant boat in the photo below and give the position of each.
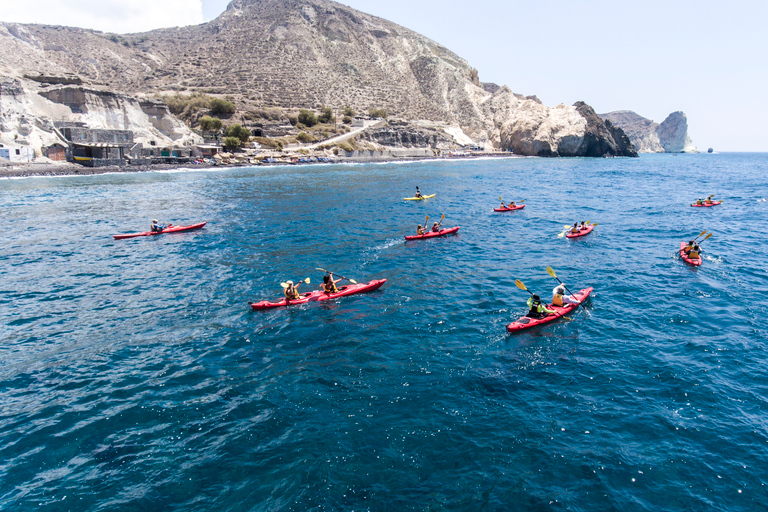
(710, 150)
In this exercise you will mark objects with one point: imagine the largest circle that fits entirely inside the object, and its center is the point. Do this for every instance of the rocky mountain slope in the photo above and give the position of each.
(302, 54)
(671, 136)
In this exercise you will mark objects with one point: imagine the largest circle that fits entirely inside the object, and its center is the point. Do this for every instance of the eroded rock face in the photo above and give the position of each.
(671, 136)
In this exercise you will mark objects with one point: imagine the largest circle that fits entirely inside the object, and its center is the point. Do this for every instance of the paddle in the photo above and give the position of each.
(285, 285)
(441, 222)
(520, 285)
(342, 277)
(706, 237)
(701, 234)
(552, 273)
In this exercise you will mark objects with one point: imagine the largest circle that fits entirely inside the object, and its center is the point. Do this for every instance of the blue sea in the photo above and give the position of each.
(135, 377)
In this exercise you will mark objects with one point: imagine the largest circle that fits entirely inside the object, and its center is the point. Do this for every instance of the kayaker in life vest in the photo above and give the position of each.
(698, 201)
(692, 250)
(537, 309)
(156, 227)
(575, 228)
(419, 230)
(291, 292)
(435, 227)
(708, 200)
(583, 226)
(511, 204)
(329, 285)
(559, 298)
(418, 192)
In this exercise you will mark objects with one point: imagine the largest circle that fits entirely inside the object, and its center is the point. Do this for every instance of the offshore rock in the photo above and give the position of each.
(671, 136)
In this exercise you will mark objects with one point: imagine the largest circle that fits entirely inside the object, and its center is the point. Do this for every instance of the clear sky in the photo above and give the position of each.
(706, 58)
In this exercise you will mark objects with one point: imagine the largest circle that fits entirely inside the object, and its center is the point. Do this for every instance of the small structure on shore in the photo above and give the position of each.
(17, 153)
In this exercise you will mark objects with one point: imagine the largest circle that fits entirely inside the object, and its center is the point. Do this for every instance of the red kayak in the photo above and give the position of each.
(318, 295)
(691, 261)
(169, 229)
(433, 234)
(705, 205)
(581, 232)
(507, 209)
(527, 322)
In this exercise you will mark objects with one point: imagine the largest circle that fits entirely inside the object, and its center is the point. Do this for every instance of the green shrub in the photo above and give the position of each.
(307, 118)
(221, 107)
(346, 120)
(238, 132)
(326, 115)
(231, 143)
(210, 124)
(348, 112)
(378, 112)
(305, 137)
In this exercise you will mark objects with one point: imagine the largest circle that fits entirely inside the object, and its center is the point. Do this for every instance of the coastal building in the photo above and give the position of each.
(17, 153)
(95, 147)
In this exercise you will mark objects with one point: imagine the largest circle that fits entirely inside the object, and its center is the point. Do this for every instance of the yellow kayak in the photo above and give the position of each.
(418, 198)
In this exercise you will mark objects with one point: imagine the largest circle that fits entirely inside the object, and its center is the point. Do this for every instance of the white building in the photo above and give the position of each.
(17, 153)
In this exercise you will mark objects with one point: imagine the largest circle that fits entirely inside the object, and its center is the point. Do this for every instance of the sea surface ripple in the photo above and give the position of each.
(133, 375)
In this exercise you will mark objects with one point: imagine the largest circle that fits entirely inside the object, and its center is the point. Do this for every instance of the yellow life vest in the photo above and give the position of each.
(557, 300)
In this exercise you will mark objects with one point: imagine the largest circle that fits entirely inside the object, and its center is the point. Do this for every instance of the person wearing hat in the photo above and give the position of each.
(156, 227)
(291, 291)
(537, 309)
(559, 298)
(419, 230)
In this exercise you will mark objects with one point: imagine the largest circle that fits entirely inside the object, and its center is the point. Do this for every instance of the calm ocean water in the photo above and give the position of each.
(133, 375)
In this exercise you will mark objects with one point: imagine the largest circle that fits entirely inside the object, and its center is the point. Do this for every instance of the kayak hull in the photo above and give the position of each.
(704, 205)
(518, 207)
(433, 234)
(527, 323)
(690, 261)
(418, 198)
(583, 232)
(172, 229)
(319, 295)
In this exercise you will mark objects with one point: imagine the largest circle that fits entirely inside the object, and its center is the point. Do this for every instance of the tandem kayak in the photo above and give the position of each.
(171, 229)
(433, 234)
(318, 295)
(581, 232)
(418, 198)
(691, 261)
(705, 205)
(507, 209)
(527, 322)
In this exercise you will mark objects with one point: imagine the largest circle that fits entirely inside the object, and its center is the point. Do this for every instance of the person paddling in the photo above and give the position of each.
(708, 200)
(692, 250)
(575, 228)
(419, 230)
(559, 298)
(537, 309)
(583, 226)
(435, 227)
(291, 291)
(698, 202)
(329, 284)
(418, 192)
(156, 226)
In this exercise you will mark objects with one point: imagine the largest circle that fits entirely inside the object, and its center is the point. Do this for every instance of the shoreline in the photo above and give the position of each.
(29, 170)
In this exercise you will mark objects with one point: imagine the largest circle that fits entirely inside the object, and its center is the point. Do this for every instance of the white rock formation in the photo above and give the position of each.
(671, 136)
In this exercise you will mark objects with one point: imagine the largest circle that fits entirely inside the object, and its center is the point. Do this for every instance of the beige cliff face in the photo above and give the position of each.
(29, 112)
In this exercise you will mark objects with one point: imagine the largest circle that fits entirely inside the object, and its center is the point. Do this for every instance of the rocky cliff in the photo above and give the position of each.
(292, 54)
(671, 136)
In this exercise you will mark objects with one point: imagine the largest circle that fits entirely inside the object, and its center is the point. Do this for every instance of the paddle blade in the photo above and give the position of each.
(352, 281)
(520, 285)
(522, 201)
(561, 235)
(708, 236)
(426, 220)
(596, 224)
(442, 218)
(500, 199)
(322, 270)
(551, 272)
(284, 285)
(307, 280)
